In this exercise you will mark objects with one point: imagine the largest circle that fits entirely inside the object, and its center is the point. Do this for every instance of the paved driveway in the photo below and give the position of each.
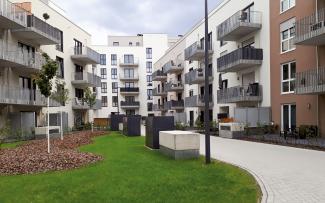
(285, 174)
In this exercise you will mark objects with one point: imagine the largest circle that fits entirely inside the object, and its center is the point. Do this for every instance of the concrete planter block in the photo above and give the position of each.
(179, 144)
(231, 130)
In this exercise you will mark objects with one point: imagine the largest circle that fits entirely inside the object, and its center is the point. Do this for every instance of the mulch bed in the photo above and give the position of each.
(32, 157)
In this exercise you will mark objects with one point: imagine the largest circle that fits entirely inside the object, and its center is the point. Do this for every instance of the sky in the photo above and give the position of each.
(130, 17)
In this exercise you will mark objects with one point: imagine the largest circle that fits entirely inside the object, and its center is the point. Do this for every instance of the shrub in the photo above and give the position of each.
(180, 126)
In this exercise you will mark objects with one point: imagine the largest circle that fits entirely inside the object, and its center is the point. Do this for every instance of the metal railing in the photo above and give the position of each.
(20, 56)
(130, 104)
(157, 107)
(87, 52)
(89, 78)
(176, 65)
(171, 105)
(196, 76)
(197, 101)
(129, 61)
(241, 18)
(158, 74)
(20, 96)
(129, 89)
(126, 76)
(13, 12)
(229, 60)
(310, 26)
(174, 86)
(195, 48)
(247, 93)
(79, 103)
(44, 28)
(310, 81)
(159, 92)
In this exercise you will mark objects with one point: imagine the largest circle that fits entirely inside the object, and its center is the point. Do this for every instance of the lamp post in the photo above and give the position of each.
(206, 90)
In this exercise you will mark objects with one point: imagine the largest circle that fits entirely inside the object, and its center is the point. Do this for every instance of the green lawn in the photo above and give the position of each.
(11, 145)
(133, 173)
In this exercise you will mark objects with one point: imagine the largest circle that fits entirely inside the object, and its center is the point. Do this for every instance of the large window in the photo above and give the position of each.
(149, 66)
(128, 59)
(103, 59)
(149, 80)
(149, 94)
(103, 73)
(149, 53)
(114, 87)
(60, 71)
(288, 78)
(115, 101)
(104, 87)
(104, 101)
(288, 32)
(288, 117)
(114, 73)
(113, 59)
(129, 85)
(129, 73)
(287, 4)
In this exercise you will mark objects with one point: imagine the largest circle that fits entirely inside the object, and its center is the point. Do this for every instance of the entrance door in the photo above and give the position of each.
(288, 117)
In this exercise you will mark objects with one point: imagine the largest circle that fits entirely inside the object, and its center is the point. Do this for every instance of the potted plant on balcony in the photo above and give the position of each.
(90, 99)
(43, 79)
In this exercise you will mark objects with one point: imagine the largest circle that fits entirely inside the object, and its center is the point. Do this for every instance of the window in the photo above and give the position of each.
(77, 47)
(113, 59)
(149, 53)
(103, 59)
(116, 44)
(59, 47)
(288, 78)
(149, 80)
(191, 93)
(137, 44)
(288, 116)
(149, 94)
(288, 32)
(104, 87)
(103, 73)
(114, 73)
(128, 59)
(149, 106)
(115, 101)
(129, 73)
(130, 44)
(104, 101)
(114, 87)
(129, 84)
(149, 67)
(287, 4)
(60, 71)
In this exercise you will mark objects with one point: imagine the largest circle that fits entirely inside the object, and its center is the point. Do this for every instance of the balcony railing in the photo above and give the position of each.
(129, 62)
(159, 76)
(240, 59)
(129, 77)
(157, 107)
(250, 93)
(85, 79)
(85, 55)
(197, 101)
(79, 104)
(130, 104)
(13, 56)
(197, 77)
(129, 90)
(239, 25)
(159, 92)
(310, 30)
(311, 82)
(12, 16)
(196, 51)
(173, 66)
(174, 86)
(174, 105)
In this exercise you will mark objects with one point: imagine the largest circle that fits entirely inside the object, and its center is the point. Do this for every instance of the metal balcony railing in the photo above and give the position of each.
(85, 78)
(239, 59)
(126, 76)
(157, 107)
(196, 76)
(130, 104)
(174, 86)
(173, 66)
(129, 61)
(129, 90)
(11, 12)
(79, 104)
(196, 51)
(250, 93)
(159, 76)
(311, 81)
(310, 30)
(86, 55)
(159, 92)
(197, 101)
(239, 25)
(174, 105)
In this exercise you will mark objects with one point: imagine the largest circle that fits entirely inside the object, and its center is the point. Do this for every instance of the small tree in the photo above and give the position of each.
(43, 80)
(4, 132)
(61, 95)
(90, 99)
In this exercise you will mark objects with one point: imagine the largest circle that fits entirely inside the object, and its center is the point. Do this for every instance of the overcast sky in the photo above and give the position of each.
(128, 17)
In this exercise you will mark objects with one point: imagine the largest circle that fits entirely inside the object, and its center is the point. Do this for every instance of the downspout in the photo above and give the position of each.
(317, 68)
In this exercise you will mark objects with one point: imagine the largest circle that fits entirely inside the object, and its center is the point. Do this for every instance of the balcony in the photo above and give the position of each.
(130, 90)
(12, 16)
(159, 76)
(79, 104)
(85, 55)
(197, 77)
(130, 105)
(129, 62)
(174, 105)
(161, 92)
(240, 59)
(310, 30)
(239, 25)
(39, 32)
(250, 93)
(129, 77)
(196, 52)
(20, 59)
(84, 79)
(311, 82)
(157, 107)
(174, 87)
(197, 101)
(176, 66)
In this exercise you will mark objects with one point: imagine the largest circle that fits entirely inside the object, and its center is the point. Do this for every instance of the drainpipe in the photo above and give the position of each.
(317, 64)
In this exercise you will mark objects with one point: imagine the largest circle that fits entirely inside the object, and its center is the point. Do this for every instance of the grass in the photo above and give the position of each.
(11, 145)
(133, 173)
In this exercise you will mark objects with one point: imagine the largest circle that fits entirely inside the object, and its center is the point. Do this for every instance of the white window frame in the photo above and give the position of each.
(287, 40)
(291, 4)
(289, 80)
(282, 121)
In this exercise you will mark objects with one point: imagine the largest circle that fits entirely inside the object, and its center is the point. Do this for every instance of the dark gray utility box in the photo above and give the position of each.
(115, 121)
(154, 125)
(132, 126)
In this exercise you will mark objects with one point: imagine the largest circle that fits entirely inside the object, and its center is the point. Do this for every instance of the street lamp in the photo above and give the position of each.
(206, 90)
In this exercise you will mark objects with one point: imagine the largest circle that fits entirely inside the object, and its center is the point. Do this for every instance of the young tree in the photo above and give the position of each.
(43, 80)
(61, 95)
(90, 99)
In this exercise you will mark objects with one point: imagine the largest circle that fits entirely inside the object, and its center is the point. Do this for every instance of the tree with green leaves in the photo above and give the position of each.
(43, 79)
(61, 95)
(90, 99)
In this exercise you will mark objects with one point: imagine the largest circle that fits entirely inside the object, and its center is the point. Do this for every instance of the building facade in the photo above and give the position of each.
(126, 72)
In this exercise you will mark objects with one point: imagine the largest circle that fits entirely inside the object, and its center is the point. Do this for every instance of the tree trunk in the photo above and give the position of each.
(61, 127)
(48, 125)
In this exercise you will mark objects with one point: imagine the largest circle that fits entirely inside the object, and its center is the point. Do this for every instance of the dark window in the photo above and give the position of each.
(104, 87)
(149, 67)
(77, 47)
(149, 53)
(114, 73)
(149, 94)
(104, 101)
(103, 59)
(60, 71)
(149, 105)
(103, 73)
(115, 101)
(113, 59)
(114, 87)
(59, 47)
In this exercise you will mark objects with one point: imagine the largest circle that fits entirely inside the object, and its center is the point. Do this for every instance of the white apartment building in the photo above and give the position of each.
(24, 36)
(239, 51)
(126, 71)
